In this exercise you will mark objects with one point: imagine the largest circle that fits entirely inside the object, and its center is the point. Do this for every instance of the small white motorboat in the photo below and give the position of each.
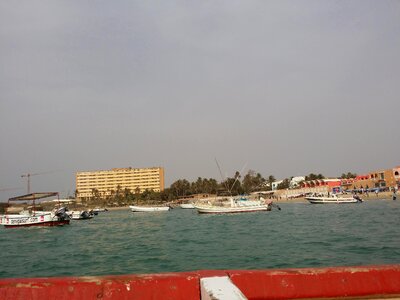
(187, 206)
(333, 199)
(80, 215)
(149, 208)
(97, 209)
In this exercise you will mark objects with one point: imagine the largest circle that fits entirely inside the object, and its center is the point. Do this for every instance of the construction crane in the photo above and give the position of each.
(28, 175)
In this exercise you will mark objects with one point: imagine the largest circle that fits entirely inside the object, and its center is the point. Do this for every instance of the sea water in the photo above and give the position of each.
(122, 242)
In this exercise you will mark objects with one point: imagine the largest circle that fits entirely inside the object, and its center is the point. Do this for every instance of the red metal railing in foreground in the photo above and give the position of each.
(362, 281)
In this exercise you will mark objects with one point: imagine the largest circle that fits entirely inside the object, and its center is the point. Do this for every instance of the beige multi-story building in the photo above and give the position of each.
(388, 178)
(106, 182)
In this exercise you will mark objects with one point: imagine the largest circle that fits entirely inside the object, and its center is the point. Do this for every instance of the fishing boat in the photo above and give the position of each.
(33, 217)
(187, 205)
(333, 199)
(149, 208)
(241, 205)
(81, 215)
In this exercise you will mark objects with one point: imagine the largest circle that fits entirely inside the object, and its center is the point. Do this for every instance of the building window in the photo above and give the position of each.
(396, 173)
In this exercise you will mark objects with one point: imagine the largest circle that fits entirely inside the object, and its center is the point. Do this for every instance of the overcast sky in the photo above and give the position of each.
(284, 88)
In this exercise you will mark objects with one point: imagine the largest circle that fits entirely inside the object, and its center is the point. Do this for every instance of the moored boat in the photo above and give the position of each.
(333, 199)
(149, 208)
(241, 205)
(33, 217)
(80, 215)
(97, 209)
(187, 206)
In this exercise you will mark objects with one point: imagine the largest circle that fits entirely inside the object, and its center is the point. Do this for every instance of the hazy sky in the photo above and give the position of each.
(282, 87)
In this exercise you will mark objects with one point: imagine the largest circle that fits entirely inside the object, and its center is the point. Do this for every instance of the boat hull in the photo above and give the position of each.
(81, 218)
(43, 224)
(187, 206)
(149, 208)
(80, 215)
(43, 219)
(323, 200)
(231, 210)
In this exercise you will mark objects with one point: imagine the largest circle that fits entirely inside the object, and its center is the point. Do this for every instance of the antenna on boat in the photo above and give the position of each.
(222, 177)
(237, 177)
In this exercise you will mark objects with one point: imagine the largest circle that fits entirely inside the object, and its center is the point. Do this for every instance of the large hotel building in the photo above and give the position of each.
(137, 180)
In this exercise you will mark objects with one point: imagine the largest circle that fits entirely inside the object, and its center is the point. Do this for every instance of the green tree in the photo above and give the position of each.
(96, 196)
(313, 176)
(252, 181)
(349, 175)
(180, 188)
(284, 184)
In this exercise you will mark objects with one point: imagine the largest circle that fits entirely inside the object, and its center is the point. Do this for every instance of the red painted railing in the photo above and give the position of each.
(366, 281)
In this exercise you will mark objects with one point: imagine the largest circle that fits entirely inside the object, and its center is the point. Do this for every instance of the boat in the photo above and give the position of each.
(81, 215)
(33, 217)
(187, 205)
(97, 209)
(333, 199)
(149, 208)
(241, 205)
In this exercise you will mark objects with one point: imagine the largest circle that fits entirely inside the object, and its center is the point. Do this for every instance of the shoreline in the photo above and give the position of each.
(370, 197)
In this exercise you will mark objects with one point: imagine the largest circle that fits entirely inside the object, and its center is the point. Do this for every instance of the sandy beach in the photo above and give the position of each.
(365, 197)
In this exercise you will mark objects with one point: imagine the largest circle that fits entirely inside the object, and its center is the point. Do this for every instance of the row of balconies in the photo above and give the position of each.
(116, 173)
(121, 184)
(119, 179)
(101, 190)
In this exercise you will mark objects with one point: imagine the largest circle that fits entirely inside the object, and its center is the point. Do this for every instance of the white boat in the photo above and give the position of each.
(97, 209)
(236, 206)
(80, 215)
(187, 206)
(32, 217)
(333, 199)
(149, 208)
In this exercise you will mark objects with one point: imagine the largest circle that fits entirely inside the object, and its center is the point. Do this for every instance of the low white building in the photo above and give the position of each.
(294, 183)
(275, 184)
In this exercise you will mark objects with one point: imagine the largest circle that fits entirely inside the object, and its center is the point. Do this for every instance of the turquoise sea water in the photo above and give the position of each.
(122, 242)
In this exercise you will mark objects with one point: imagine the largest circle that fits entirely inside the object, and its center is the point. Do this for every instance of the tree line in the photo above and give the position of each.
(182, 188)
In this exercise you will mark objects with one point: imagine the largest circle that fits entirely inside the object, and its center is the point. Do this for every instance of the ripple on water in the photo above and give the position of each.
(120, 242)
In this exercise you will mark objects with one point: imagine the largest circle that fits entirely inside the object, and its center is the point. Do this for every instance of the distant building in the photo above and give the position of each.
(381, 179)
(295, 181)
(322, 185)
(106, 182)
(274, 185)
